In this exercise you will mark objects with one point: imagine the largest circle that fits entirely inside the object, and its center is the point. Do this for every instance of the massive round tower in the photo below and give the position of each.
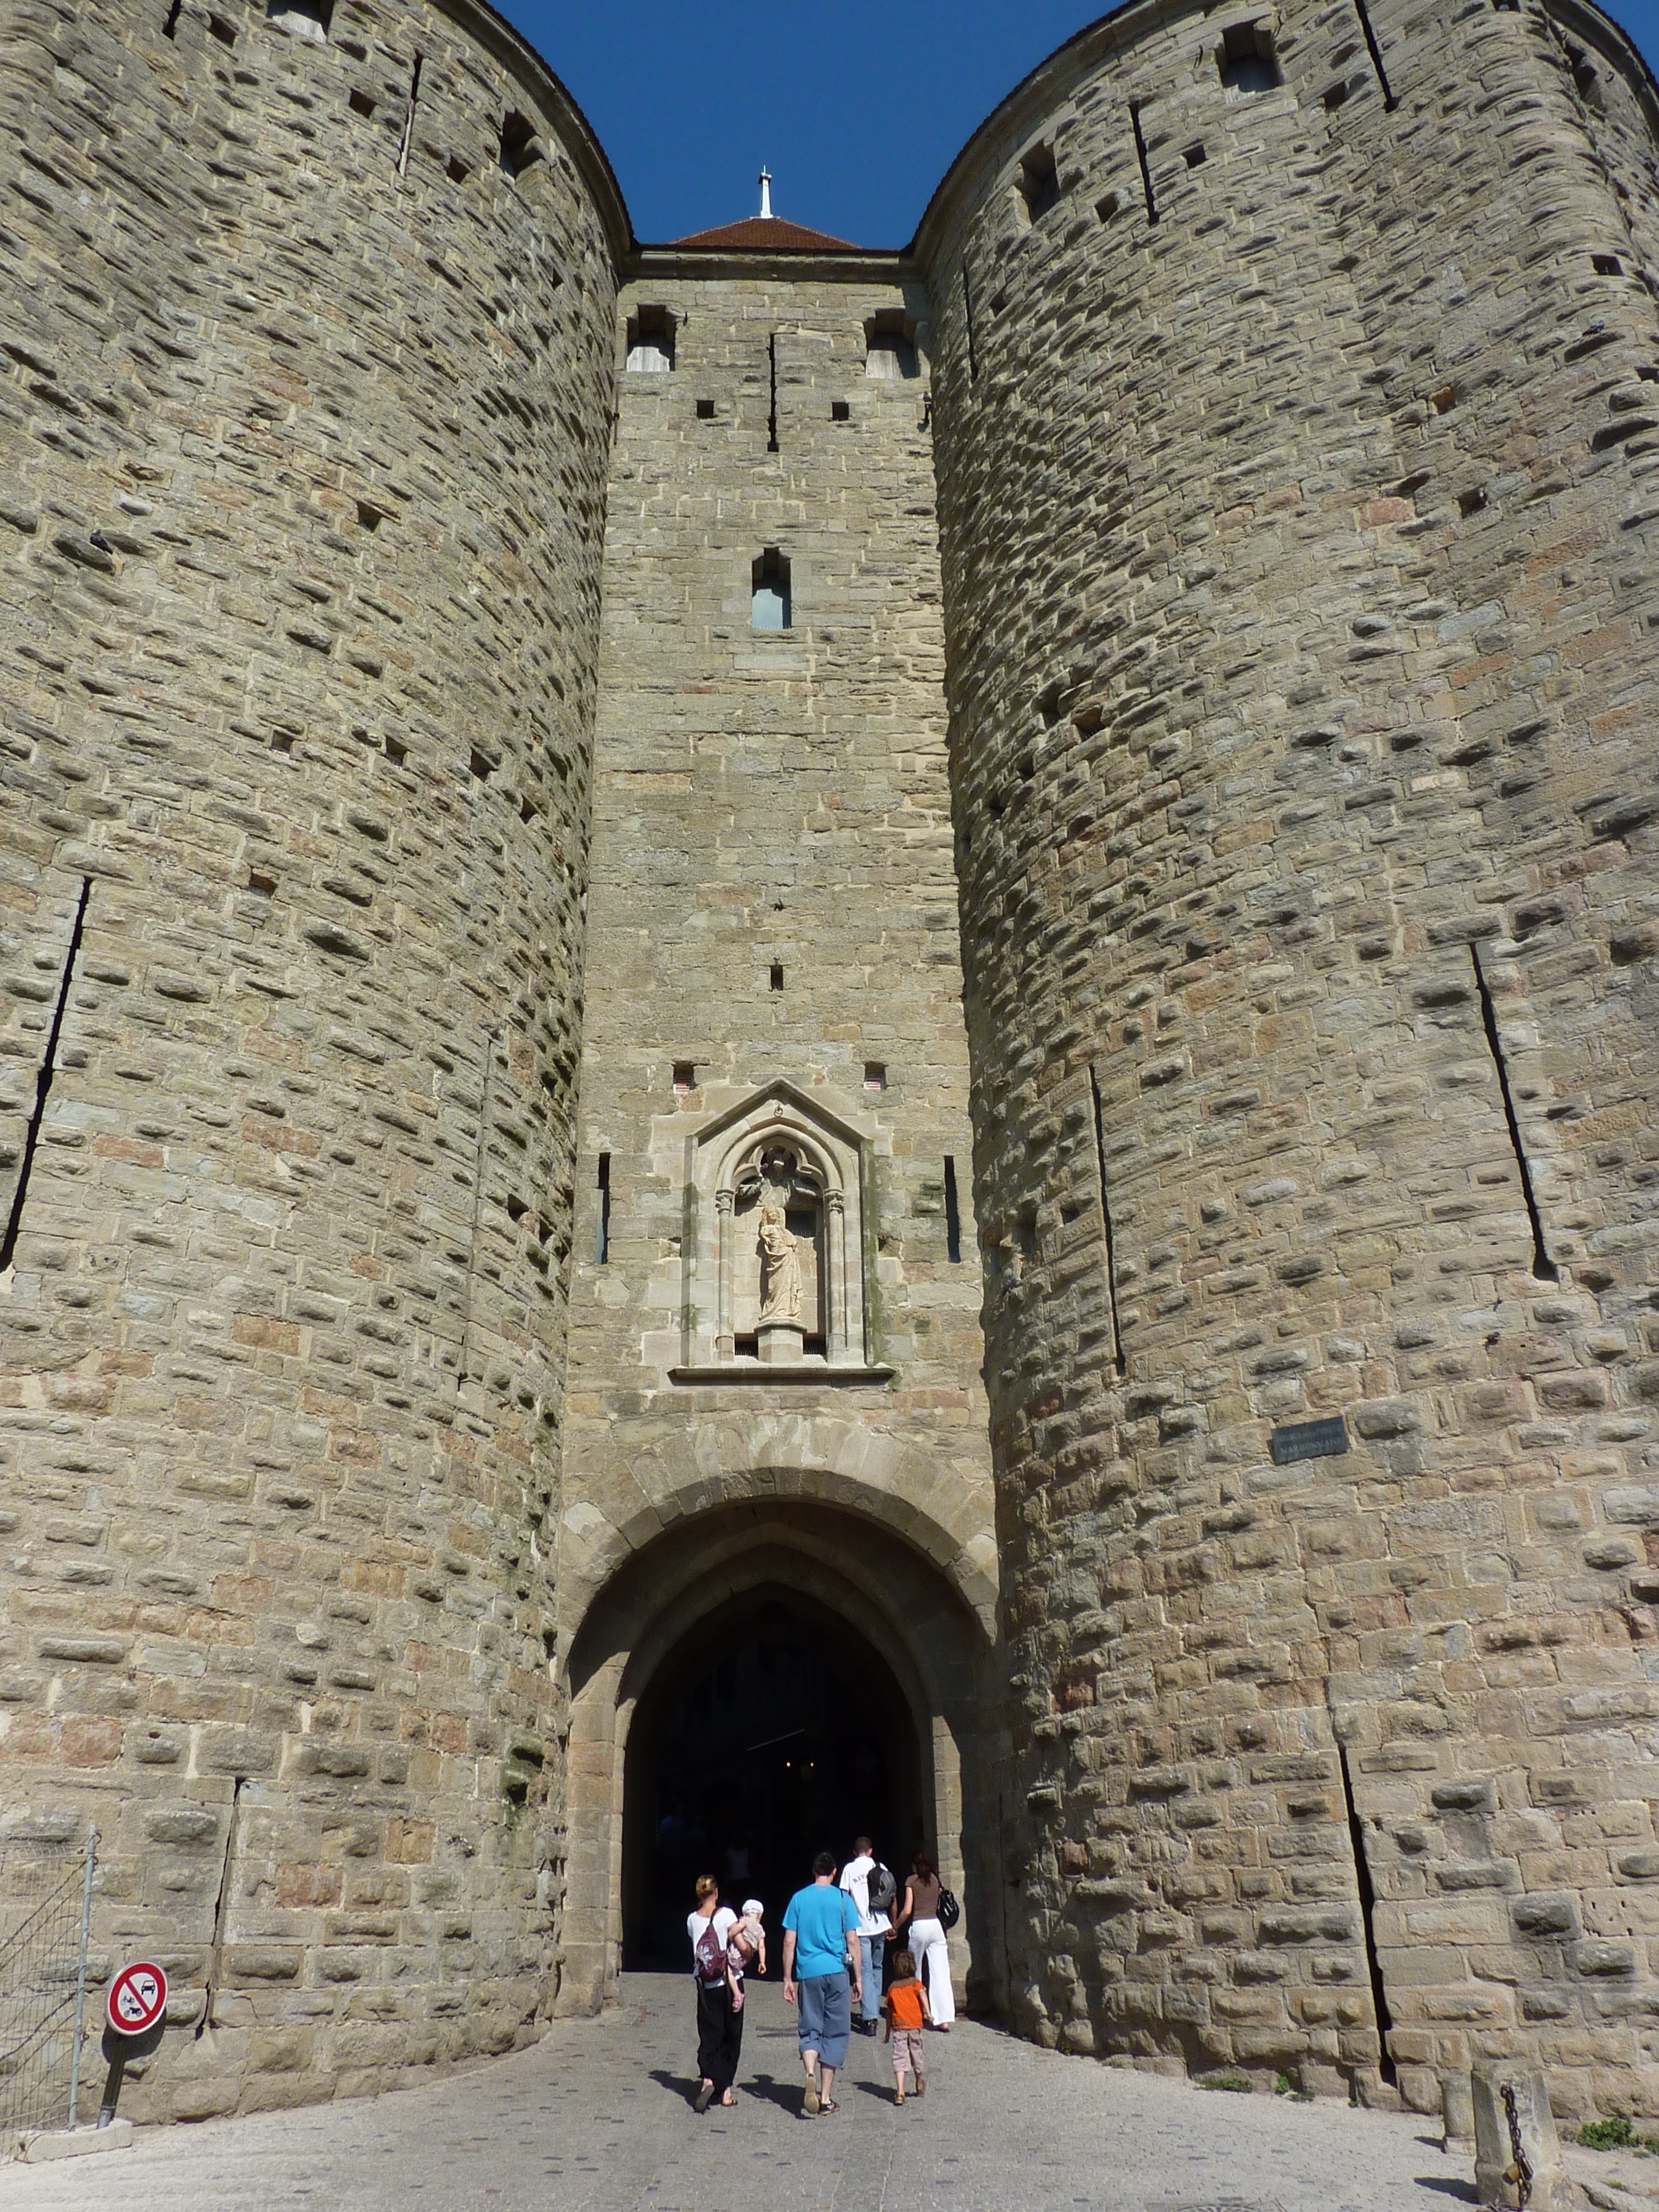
(307, 372)
(1296, 384)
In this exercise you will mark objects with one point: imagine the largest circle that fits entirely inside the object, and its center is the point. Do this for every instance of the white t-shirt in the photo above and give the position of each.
(725, 1921)
(856, 1881)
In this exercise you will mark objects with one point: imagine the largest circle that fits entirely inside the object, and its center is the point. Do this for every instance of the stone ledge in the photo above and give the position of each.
(757, 1371)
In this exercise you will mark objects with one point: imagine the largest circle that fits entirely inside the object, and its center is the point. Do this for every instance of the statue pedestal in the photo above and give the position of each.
(781, 1343)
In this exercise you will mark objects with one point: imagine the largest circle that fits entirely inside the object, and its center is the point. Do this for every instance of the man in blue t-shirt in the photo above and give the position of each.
(820, 1949)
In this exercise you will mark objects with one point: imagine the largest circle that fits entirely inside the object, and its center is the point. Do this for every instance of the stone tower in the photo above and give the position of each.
(1191, 609)
(1297, 424)
(308, 364)
(773, 976)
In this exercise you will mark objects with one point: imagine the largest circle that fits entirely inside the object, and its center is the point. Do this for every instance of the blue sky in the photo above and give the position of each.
(858, 109)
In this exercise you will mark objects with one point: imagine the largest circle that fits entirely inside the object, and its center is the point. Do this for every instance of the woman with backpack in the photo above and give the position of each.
(719, 2027)
(930, 1908)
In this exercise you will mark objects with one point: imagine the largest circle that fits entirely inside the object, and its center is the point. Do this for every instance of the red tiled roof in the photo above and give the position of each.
(770, 230)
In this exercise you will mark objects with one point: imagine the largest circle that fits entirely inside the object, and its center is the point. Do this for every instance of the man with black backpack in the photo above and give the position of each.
(873, 1892)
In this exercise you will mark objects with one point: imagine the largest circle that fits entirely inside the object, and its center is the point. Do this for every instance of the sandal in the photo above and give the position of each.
(828, 2105)
(921, 2085)
(811, 2103)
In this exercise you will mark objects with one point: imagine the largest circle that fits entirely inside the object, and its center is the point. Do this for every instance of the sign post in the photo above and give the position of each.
(137, 2007)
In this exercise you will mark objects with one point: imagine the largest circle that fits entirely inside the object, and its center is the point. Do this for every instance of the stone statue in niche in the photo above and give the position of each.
(780, 1266)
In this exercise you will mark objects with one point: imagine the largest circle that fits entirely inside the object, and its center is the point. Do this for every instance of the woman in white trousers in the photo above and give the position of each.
(926, 1938)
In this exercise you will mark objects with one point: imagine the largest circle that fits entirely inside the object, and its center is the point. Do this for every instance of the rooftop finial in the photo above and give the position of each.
(766, 193)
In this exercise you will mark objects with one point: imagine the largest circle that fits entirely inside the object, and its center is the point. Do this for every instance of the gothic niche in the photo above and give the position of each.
(775, 1263)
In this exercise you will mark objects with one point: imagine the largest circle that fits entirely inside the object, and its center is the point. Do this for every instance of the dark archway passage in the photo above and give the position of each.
(773, 1729)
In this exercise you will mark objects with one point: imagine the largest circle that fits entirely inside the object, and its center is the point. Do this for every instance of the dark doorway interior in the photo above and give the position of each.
(774, 1730)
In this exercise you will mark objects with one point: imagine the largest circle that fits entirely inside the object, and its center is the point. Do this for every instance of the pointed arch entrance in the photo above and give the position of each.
(847, 1608)
(773, 1731)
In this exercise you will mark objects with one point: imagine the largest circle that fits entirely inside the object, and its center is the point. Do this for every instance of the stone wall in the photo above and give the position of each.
(306, 366)
(773, 803)
(1299, 605)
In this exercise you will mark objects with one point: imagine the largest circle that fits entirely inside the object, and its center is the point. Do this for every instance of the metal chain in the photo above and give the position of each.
(1518, 2172)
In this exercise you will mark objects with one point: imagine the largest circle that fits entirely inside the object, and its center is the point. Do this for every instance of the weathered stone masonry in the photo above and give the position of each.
(1298, 602)
(1294, 401)
(304, 458)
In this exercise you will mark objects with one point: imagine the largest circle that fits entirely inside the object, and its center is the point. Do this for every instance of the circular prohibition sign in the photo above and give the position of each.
(138, 1998)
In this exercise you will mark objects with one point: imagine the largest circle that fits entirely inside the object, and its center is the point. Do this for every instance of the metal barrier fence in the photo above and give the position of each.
(45, 1898)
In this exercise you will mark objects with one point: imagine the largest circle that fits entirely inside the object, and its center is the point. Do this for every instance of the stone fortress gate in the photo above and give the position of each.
(520, 747)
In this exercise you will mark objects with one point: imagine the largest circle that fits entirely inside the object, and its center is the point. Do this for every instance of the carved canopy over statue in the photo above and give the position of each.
(775, 1271)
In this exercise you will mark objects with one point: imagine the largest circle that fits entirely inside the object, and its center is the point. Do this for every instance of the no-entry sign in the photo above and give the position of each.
(138, 1998)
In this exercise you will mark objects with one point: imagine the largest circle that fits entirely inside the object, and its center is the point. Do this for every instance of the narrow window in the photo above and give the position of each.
(170, 28)
(839, 411)
(776, 975)
(1375, 54)
(651, 339)
(768, 605)
(43, 1083)
(1039, 183)
(1141, 156)
(520, 148)
(301, 18)
(686, 1078)
(772, 371)
(602, 1236)
(1543, 1268)
(1108, 1250)
(889, 345)
(1362, 1874)
(408, 138)
(953, 1212)
(875, 1075)
(1246, 59)
(705, 410)
(967, 324)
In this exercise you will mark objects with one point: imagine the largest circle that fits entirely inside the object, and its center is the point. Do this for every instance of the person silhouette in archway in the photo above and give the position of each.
(820, 1936)
(719, 2024)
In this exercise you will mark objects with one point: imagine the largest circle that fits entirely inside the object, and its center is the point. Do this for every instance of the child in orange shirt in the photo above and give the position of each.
(906, 2008)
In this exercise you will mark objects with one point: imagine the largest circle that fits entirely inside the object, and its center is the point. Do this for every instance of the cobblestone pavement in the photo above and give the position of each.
(597, 2115)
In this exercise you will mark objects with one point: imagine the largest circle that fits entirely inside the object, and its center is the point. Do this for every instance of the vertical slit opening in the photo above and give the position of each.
(967, 324)
(221, 1911)
(1106, 1223)
(408, 138)
(772, 419)
(1543, 1268)
(43, 1083)
(952, 1214)
(602, 1240)
(1375, 54)
(1362, 1874)
(1141, 156)
(170, 28)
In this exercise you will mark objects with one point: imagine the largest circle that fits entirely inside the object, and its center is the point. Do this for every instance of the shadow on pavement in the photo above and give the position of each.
(1464, 2191)
(785, 2095)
